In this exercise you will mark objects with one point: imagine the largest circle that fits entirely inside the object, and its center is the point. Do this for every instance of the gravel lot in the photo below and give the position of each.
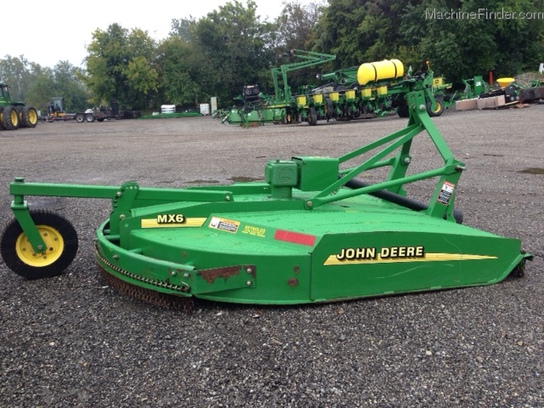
(73, 341)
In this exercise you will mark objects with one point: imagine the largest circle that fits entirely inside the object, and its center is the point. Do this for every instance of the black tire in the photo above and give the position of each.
(80, 118)
(60, 237)
(312, 116)
(89, 117)
(439, 109)
(30, 116)
(330, 109)
(403, 111)
(10, 119)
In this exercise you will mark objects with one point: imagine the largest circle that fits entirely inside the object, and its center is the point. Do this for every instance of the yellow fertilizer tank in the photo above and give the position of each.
(376, 71)
(504, 82)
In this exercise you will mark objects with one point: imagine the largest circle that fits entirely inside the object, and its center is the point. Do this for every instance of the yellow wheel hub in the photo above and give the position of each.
(54, 246)
(32, 117)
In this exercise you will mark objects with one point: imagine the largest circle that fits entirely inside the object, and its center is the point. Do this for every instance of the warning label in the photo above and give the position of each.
(224, 224)
(446, 193)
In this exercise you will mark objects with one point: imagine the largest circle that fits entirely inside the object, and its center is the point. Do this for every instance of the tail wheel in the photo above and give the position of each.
(10, 120)
(60, 239)
(438, 109)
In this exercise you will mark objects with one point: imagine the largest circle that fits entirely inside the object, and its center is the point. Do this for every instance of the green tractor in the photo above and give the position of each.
(14, 115)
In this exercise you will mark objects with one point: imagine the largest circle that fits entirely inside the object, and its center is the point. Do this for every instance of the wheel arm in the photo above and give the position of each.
(22, 215)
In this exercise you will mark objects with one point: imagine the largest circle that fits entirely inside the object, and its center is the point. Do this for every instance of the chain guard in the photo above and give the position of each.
(149, 296)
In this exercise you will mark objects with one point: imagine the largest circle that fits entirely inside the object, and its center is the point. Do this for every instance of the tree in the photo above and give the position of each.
(121, 66)
(237, 48)
(296, 24)
(460, 38)
(67, 83)
(179, 73)
(36, 85)
(15, 72)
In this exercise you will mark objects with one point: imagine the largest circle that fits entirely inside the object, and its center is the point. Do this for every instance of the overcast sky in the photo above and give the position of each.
(49, 32)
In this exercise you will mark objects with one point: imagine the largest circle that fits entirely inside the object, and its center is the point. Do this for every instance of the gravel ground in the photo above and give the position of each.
(74, 341)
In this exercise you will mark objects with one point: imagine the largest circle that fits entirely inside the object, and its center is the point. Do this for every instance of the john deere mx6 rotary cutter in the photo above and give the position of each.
(313, 231)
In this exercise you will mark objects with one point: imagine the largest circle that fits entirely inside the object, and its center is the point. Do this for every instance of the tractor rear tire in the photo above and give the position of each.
(59, 236)
(10, 120)
(28, 116)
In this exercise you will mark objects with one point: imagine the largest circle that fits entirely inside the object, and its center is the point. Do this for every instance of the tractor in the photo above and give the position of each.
(14, 115)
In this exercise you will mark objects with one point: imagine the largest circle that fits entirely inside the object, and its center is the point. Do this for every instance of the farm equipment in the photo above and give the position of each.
(13, 114)
(312, 231)
(56, 112)
(281, 107)
(371, 89)
(379, 88)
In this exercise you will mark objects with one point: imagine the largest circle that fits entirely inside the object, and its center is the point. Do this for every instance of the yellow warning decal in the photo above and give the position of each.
(224, 224)
(171, 221)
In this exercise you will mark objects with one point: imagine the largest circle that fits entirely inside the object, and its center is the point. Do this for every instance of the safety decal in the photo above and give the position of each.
(224, 224)
(445, 193)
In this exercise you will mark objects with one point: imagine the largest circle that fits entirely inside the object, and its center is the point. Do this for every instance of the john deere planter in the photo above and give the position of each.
(313, 231)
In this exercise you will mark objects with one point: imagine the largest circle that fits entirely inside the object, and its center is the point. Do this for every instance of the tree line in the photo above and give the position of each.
(233, 46)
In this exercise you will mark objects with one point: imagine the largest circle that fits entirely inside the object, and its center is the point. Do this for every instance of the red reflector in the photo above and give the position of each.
(294, 237)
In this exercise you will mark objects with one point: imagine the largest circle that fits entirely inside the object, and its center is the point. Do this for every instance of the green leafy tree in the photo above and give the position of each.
(121, 66)
(15, 71)
(36, 85)
(67, 83)
(237, 48)
(296, 24)
(458, 45)
(179, 79)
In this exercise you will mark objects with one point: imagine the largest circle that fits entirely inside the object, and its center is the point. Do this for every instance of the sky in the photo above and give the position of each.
(56, 31)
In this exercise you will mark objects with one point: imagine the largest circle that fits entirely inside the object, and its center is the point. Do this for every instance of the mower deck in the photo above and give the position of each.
(358, 247)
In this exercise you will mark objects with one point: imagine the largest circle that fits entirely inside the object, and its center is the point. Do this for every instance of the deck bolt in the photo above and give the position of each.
(186, 275)
(122, 216)
(309, 204)
(407, 160)
(248, 283)
(40, 247)
(249, 270)
(115, 256)
(118, 194)
(422, 107)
